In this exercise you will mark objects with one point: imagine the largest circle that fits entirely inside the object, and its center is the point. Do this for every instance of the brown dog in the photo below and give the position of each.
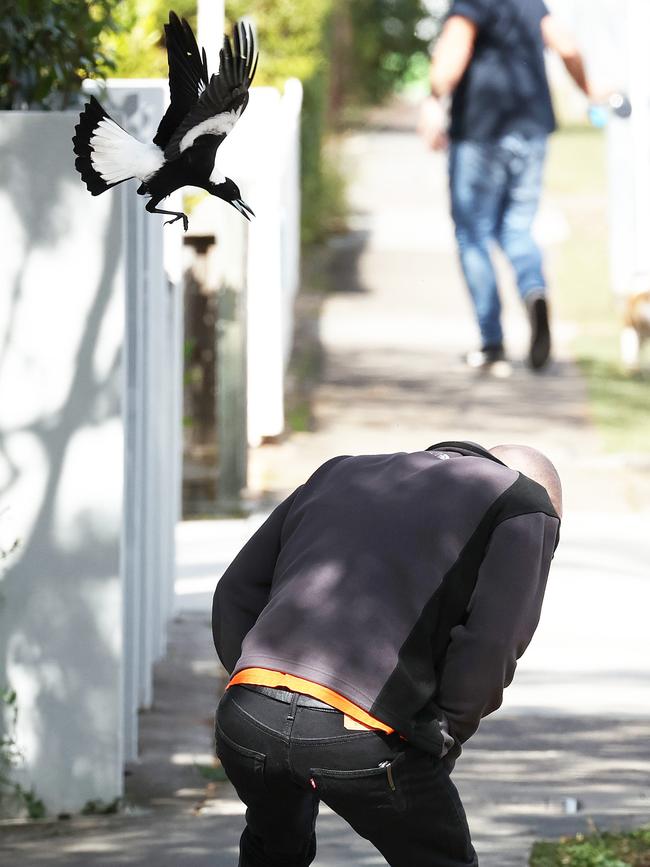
(636, 328)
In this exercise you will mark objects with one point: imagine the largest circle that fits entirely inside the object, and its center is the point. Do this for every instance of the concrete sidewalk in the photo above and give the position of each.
(570, 745)
(572, 734)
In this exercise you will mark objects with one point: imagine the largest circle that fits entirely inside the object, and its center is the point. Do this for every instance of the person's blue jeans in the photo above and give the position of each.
(495, 192)
(284, 758)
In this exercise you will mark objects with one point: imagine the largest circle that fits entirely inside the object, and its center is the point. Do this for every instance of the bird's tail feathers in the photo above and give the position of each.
(106, 154)
(89, 163)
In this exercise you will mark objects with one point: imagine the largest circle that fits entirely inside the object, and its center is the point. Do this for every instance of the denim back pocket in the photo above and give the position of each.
(244, 767)
(376, 788)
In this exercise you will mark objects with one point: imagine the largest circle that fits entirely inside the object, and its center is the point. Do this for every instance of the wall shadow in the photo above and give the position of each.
(56, 592)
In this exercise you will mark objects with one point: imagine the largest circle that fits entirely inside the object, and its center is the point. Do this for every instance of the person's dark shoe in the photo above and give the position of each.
(490, 359)
(540, 331)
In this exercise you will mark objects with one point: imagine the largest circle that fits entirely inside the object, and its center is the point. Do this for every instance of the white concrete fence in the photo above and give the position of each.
(89, 388)
(90, 419)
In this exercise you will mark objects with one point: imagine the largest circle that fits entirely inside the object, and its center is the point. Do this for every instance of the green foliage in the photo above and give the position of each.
(10, 758)
(630, 849)
(618, 398)
(9, 752)
(290, 35)
(47, 48)
(212, 773)
(136, 45)
(33, 804)
(314, 183)
(390, 40)
(101, 808)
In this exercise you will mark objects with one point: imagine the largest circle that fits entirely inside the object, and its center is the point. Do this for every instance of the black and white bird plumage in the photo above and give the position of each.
(203, 109)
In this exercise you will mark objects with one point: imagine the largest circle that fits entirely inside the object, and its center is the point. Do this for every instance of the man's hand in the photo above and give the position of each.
(432, 124)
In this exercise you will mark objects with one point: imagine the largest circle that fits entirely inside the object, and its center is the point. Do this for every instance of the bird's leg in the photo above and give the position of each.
(151, 206)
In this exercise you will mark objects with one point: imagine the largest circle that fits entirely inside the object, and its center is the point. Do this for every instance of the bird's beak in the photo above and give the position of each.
(243, 208)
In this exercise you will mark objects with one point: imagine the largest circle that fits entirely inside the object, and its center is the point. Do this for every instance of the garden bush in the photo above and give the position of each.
(47, 48)
(631, 849)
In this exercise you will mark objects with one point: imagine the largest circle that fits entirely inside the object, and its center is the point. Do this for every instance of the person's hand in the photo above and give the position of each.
(432, 124)
(598, 94)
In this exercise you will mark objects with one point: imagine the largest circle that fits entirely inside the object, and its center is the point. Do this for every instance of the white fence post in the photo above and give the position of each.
(262, 152)
(231, 356)
(629, 156)
(154, 352)
(639, 89)
(62, 334)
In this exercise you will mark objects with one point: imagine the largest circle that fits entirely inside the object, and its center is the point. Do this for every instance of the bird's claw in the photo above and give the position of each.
(183, 217)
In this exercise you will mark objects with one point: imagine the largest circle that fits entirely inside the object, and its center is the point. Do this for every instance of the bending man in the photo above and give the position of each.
(368, 626)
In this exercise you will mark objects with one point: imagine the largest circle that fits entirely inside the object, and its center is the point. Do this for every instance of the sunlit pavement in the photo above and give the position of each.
(570, 745)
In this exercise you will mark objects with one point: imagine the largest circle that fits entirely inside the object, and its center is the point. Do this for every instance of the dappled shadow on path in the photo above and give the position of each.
(517, 773)
(411, 385)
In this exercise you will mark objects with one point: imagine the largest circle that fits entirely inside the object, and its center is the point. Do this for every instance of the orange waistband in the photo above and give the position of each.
(268, 677)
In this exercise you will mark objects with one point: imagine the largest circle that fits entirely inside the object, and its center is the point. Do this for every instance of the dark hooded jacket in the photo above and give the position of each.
(409, 583)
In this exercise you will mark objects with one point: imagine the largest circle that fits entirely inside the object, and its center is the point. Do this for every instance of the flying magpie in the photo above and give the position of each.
(202, 111)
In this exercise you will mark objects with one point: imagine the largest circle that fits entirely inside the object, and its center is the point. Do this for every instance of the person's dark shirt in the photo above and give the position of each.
(408, 583)
(505, 88)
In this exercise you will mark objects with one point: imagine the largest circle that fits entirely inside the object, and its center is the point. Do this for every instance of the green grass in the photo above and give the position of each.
(631, 849)
(299, 417)
(212, 773)
(577, 161)
(620, 400)
(577, 183)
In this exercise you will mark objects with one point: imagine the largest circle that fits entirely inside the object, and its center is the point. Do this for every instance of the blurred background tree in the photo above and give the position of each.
(47, 48)
(136, 46)
(381, 46)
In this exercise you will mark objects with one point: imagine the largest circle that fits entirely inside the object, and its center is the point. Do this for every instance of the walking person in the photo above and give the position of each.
(368, 626)
(490, 60)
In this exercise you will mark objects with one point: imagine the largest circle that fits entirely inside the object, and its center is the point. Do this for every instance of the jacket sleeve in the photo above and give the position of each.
(243, 590)
(502, 616)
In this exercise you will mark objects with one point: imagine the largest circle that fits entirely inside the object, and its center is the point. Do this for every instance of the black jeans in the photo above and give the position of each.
(283, 758)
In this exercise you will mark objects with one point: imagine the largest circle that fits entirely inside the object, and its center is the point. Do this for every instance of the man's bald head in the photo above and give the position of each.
(536, 466)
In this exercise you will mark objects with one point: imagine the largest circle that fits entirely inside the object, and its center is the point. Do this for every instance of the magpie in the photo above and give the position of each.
(203, 109)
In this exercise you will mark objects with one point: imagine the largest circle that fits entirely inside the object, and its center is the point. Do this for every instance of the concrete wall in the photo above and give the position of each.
(63, 282)
(90, 424)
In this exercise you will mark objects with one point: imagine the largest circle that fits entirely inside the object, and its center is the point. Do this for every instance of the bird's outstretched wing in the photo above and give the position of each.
(225, 97)
(188, 76)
